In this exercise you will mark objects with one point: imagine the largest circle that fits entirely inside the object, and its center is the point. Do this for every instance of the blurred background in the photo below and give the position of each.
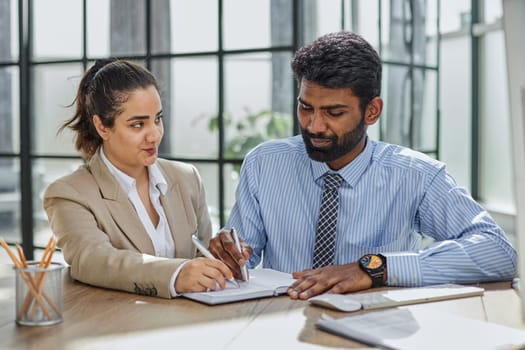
(227, 86)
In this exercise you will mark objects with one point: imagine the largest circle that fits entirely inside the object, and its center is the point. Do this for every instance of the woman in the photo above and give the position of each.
(124, 220)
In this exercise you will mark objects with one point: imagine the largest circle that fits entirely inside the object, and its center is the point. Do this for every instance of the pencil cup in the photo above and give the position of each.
(39, 294)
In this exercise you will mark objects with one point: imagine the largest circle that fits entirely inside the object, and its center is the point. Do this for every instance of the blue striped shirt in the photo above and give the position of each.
(391, 197)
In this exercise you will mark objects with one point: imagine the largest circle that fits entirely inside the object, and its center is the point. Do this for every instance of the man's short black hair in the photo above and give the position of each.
(341, 60)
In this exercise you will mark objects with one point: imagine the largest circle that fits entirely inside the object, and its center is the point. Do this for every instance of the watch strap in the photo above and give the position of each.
(377, 278)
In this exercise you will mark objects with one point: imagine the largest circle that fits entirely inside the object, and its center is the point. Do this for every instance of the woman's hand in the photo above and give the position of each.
(202, 274)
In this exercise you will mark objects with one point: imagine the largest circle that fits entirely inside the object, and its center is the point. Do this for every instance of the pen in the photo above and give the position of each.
(244, 269)
(202, 248)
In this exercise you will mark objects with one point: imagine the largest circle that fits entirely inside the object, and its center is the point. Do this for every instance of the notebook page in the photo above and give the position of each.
(271, 279)
(262, 283)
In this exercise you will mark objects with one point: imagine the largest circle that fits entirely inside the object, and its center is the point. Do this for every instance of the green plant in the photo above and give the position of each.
(251, 130)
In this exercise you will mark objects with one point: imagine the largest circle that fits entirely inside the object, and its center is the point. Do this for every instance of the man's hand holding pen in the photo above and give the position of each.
(223, 247)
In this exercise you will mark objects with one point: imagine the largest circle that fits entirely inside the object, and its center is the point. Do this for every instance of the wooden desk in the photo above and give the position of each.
(96, 318)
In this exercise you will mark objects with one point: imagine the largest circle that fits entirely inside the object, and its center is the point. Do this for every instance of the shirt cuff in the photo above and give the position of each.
(403, 270)
(173, 278)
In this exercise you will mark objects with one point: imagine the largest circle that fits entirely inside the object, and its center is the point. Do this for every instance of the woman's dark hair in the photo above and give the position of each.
(102, 91)
(341, 60)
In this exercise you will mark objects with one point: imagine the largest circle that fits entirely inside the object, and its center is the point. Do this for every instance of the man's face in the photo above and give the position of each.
(332, 124)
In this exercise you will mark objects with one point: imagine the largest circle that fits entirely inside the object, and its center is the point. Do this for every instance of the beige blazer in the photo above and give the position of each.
(102, 237)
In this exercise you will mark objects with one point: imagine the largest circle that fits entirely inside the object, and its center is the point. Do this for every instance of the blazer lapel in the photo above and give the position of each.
(120, 207)
(180, 218)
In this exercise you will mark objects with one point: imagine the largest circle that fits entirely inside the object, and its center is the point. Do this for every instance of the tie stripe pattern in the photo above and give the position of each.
(327, 224)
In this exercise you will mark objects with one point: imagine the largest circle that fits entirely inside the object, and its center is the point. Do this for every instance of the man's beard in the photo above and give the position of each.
(337, 149)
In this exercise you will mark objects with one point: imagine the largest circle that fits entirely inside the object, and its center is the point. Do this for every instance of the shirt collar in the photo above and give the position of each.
(157, 179)
(351, 172)
(128, 183)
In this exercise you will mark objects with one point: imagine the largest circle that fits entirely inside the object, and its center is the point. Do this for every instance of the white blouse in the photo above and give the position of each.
(161, 235)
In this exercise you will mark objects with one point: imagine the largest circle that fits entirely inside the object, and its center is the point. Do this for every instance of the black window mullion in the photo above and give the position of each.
(26, 183)
(475, 137)
(148, 15)
(380, 52)
(84, 34)
(295, 44)
(438, 84)
(221, 160)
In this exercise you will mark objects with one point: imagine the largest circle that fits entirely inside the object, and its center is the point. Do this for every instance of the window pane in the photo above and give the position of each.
(328, 16)
(320, 17)
(257, 23)
(184, 26)
(367, 18)
(409, 32)
(455, 15)
(409, 117)
(210, 175)
(45, 171)
(266, 114)
(431, 34)
(397, 115)
(9, 111)
(455, 92)
(427, 109)
(373, 130)
(10, 213)
(54, 90)
(493, 11)
(190, 101)
(116, 28)
(98, 21)
(231, 180)
(496, 153)
(57, 29)
(8, 30)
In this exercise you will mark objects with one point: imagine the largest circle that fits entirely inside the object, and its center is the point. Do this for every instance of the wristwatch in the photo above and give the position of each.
(374, 265)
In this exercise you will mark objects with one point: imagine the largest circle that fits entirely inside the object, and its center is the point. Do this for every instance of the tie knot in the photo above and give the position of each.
(332, 181)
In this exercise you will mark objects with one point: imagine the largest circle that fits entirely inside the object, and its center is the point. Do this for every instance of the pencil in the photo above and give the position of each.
(10, 253)
(21, 255)
(27, 278)
(45, 261)
(47, 251)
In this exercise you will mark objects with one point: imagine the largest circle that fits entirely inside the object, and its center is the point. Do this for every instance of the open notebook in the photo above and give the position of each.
(262, 283)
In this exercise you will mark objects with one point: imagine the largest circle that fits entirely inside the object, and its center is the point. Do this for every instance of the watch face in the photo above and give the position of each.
(371, 261)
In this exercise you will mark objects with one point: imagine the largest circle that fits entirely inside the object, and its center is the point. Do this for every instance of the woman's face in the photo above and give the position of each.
(132, 143)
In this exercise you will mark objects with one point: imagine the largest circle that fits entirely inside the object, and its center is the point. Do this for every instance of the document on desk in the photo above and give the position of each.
(262, 283)
(396, 297)
(403, 328)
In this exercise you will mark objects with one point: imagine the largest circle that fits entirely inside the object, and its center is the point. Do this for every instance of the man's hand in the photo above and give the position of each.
(223, 247)
(337, 279)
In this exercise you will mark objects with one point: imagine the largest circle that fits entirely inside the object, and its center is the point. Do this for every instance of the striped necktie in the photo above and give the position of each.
(327, 224)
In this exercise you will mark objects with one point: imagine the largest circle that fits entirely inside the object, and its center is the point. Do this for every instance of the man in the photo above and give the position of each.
(386, 198)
